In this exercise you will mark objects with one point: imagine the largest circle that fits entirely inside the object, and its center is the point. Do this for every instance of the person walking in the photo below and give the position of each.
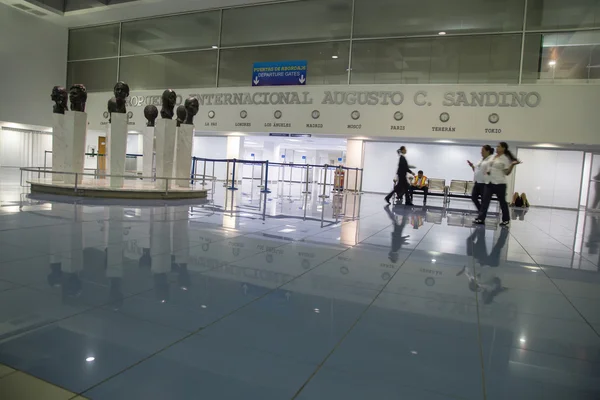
(497, 169)
(401, 183)
(480, 178)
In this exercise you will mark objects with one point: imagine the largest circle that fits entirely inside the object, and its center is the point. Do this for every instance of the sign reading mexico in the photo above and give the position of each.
(288, 73)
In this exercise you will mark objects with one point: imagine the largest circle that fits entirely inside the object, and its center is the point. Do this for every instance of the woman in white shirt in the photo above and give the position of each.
(496, 171)
(479, 170)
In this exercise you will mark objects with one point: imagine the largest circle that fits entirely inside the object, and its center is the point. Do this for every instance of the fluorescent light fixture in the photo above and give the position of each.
(90, 359)
(552, 63)
(441, 33)
(334, 57)
(546, 145)
(522, 339)
(433, 260)
(445, 141)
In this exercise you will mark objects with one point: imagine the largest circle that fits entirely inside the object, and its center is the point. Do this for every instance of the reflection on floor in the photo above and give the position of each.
(292, 297)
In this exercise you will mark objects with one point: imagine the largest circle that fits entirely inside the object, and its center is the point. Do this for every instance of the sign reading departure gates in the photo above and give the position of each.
(280, 73)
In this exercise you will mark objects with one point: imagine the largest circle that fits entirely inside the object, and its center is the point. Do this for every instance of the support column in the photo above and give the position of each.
(116, 139)
(59, 146)
(166, 133)
(75, 133)
(148, 151)
(183, 154)
(354, 159)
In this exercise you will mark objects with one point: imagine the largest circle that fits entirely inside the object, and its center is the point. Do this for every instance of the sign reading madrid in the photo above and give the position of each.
(280, 73)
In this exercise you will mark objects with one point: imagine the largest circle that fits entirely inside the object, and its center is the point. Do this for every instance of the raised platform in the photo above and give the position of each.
(132, 189)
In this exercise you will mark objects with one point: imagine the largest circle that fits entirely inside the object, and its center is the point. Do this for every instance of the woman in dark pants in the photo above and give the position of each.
(480, 177)
(499, 167)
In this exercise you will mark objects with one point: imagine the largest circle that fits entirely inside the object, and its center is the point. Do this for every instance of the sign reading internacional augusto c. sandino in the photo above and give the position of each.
(367, 98)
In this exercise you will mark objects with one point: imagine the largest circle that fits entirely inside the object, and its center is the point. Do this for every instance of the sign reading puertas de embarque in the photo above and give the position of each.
(282, 73)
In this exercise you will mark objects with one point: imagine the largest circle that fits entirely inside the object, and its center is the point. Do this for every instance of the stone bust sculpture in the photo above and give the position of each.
(151, 113)
(60, 97)
(169, 98)
(78, 97)
(181, 115)
(191, 107)
(118, 103)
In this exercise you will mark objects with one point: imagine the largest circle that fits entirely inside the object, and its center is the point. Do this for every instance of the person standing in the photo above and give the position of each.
(497, 169)
(480, 178)
(401, 183)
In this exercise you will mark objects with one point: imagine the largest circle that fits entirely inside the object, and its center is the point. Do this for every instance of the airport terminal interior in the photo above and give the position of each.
(193, 199)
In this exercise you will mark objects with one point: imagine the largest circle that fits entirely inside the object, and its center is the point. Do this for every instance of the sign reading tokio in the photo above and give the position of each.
(368, 98)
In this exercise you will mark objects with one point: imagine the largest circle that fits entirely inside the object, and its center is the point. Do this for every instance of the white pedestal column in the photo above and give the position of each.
(116, 147)
(59, 146)
(148, 151)
(166, 132)
(75, 133)
(183, 154)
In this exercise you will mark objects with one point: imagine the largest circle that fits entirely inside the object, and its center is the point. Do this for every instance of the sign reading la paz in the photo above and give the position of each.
(282, 73)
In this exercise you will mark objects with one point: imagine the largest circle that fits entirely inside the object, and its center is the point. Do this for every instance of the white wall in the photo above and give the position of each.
(440, 161)
(24, 148)
(33, 59)
(531, 122)
(550, 177)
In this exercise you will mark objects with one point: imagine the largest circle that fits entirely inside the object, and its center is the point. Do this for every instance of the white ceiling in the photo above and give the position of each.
(125, 11)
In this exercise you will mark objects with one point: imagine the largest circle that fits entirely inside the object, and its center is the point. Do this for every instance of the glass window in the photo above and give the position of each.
(381, 18)
(96, 42)
(287, 22)
(179, 32)
(327, 62)
(563, 55)
(464, 59)
(177, 70)
(562, 14)
(96, 75)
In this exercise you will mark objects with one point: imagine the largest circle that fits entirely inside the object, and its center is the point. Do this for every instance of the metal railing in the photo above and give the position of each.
(329, 176)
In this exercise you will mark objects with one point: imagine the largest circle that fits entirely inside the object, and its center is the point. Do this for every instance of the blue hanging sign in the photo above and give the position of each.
(279, 73)
(304, 157)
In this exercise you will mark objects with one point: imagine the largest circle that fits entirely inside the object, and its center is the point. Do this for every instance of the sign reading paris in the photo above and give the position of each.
(279, 73)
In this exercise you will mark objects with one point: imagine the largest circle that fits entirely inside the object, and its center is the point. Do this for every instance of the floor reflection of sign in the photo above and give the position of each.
(279, 73)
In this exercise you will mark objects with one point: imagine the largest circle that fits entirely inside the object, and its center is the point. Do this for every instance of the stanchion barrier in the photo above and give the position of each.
(324, 196)
(204, 174)
(233, 176)
(262, 170)
(227, 175)
(306, 191)
(266, 188)
(193, 170)
(356, 180)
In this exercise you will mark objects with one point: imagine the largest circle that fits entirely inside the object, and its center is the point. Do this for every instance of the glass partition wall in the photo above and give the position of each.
(348, 42)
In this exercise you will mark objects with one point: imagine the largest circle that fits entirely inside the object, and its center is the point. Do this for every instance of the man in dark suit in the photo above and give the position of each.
(401, 184)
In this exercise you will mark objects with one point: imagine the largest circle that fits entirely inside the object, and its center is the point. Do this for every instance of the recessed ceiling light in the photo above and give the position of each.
(215, 47)
(317, 310)
(433, 260)
(334, 56)
(414, 352)
(522, 340)
(552, 63)
(442, 33)
(90, 359)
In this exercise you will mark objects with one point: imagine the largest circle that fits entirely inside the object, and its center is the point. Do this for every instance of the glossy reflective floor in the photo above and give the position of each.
(290, 297)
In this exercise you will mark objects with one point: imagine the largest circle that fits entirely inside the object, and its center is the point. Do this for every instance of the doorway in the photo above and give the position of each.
(102, 154)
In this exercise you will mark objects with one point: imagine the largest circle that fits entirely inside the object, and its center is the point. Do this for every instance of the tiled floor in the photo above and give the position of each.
(290, 297)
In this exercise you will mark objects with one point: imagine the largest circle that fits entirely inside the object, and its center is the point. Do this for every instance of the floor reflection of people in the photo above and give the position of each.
(518, 213)
(398, 237)
(596, 203)
(484, 280)
(593, 240)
